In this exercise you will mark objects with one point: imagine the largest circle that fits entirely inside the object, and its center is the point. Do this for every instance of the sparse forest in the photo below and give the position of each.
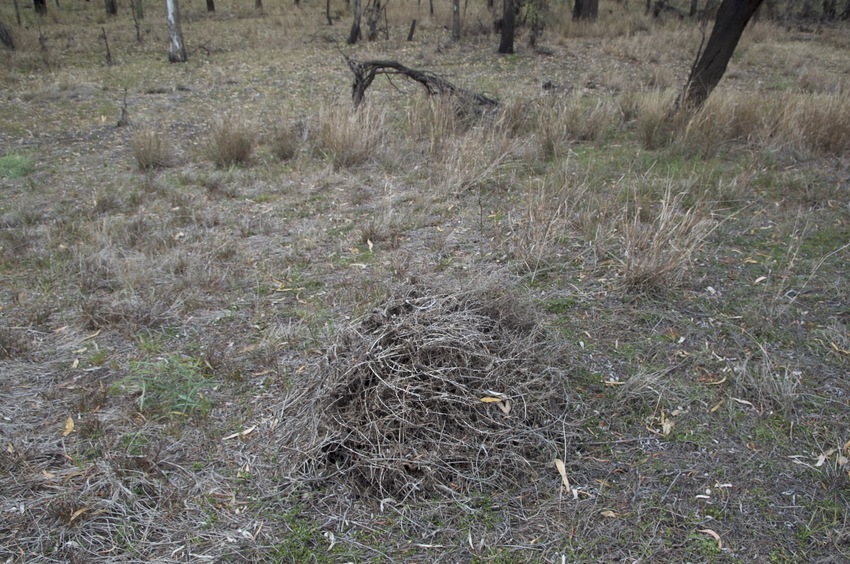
(517, 281)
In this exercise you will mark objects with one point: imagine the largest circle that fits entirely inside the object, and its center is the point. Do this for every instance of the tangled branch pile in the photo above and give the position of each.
(432, 395)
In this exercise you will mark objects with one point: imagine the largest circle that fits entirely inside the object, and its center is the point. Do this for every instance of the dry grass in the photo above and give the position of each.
(149, 150)
(152, 325)
(285, 140)
(656, 121)
(478, 159)
(658, 252)
(231, 142)
(430, 395)
(348, 138)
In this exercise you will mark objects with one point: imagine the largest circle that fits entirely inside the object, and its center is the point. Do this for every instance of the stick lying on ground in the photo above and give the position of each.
(366, 71)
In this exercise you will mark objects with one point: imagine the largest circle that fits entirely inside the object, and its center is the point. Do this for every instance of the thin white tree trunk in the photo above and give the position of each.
(177, 49)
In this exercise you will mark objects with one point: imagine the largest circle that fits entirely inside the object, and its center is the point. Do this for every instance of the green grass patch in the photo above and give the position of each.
(172, 386)
(15, 166)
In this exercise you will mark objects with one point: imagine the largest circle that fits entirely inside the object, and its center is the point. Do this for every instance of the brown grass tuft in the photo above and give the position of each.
(658, 253)
(149, 150)
(231, 142)
(347, 137)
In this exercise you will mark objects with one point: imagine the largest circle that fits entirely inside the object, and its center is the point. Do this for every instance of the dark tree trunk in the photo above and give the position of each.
(111, 7)
(328, 12)
(354, 35)
(6, 37)
(732, 18)
(258, 5)
(830, 10)
(40, 6)
(586, 9)
(845, 15)
(210, 5)
(506, 45)
(17, 12)
(692, 12)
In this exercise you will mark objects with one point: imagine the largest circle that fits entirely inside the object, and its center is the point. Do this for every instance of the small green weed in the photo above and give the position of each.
(15, 166)
(171, 386)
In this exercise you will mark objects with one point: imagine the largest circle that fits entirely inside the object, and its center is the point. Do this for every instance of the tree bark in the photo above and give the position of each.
(210, 5)
(506, 45)
(355, 26)
(6, 37)
(455, 20)
(830, 10)
(732, 18)
(111, 7)
(258, 5)
(40, 6)
(586, 10)
(177, 48)
(17, 12)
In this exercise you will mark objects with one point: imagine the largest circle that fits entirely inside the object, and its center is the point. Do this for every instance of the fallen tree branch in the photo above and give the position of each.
(366, 71)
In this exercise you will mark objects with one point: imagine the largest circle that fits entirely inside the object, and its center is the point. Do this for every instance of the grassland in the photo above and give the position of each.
(170, 287)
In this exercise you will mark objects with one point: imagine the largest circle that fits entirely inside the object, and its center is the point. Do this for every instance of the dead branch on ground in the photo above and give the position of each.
(366, 71)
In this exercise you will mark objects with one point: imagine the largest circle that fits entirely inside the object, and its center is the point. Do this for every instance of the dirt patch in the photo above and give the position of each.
(433, 393)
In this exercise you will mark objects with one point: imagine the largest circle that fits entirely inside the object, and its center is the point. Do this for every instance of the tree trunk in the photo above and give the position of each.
(177, 49)
(732, 18)
(455, 20)
(111, 7)
(6, 37)
(40, 6)
(692, 12)
(355, 26)
(830, 10)
(210, 5)
(586, 10)
(17, 12)
(845, 15)
(258, 5)
(506, 45)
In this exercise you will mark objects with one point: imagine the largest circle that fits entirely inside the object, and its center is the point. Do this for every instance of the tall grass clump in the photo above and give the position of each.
(231, 142)
(348, 137)
(656, 120)
(726, 118)
(284, 141)
(436, 120)
(575, 119)
(149, 150)
(475, 160)
(816, 123)
(658, 252)
(539, 225)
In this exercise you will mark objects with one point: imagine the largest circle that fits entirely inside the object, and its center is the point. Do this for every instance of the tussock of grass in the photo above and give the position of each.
(477, 159)
(149, 150)
(657, 253)
(231, 142)
(347, 137)
(285, 140)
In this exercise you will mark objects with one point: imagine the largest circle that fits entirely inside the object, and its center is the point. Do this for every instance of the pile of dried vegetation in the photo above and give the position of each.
(433, 394)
